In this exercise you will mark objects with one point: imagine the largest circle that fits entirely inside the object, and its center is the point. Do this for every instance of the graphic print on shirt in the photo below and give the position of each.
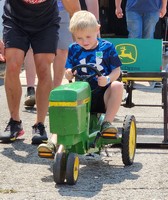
(96, 65)
(34, 1)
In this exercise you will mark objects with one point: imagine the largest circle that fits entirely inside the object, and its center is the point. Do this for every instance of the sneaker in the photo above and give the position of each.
(108, 127)
(39, 134)
(47, 150)
(12, 131)
(30, 97)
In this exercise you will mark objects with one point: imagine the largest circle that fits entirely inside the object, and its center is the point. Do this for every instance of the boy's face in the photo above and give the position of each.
(87, 38)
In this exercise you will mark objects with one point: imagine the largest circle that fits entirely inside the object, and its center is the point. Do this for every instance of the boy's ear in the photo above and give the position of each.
(98, 28)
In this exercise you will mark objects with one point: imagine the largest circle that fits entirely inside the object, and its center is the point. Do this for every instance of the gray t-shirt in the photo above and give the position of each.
(62, 12)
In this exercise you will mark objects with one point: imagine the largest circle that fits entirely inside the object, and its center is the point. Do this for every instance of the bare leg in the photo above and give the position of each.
(47, 150)
(113, 98)
(13, 88)
(30, 68)
(59, 70)
(44, 85)
(59, 66)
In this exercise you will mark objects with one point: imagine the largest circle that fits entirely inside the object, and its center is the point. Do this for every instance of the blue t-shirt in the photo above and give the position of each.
(104, 57)
(144, 5)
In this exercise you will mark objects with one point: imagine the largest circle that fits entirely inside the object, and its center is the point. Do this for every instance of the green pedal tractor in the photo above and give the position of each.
(78, 130)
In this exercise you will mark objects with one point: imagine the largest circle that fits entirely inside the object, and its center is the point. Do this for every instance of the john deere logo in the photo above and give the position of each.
(127, 53)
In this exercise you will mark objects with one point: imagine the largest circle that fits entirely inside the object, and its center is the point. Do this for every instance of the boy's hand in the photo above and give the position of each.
(103, 80)
(68, 74)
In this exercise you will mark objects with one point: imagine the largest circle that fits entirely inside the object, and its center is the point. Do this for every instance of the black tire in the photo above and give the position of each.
(129, 136)
(72, 169)
(59, 168)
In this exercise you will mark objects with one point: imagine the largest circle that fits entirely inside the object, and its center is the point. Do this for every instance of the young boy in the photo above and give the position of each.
(88, 49)
(101, 54)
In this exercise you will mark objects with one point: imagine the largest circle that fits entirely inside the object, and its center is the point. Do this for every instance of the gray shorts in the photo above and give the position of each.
(65, 37)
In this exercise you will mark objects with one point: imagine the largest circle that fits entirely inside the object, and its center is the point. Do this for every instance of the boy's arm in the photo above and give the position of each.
(71, 6)
(68, 74)
(113, 76)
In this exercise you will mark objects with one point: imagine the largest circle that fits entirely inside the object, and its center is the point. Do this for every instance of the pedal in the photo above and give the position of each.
(46, 155)
(109, 135)
(29, 107)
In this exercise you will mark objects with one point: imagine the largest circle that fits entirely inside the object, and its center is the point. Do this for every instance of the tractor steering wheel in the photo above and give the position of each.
(86, 77)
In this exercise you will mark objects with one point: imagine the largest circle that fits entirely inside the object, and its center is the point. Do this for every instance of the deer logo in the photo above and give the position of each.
(127, 53)
(124, 54)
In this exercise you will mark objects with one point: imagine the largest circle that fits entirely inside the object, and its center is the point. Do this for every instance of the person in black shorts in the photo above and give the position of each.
(50, 147)
(28, 23)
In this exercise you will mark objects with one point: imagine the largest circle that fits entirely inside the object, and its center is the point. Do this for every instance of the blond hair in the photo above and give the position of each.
(82, 20)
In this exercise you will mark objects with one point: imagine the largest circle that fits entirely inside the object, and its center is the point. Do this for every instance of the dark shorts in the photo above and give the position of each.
(97, 102)
(43, 41)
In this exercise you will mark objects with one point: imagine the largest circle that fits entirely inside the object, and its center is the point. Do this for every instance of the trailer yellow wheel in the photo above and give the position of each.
(129, 136)
(72, 169)
(59, 167)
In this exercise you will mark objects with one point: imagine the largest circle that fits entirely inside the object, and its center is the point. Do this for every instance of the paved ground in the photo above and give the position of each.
(23, 175)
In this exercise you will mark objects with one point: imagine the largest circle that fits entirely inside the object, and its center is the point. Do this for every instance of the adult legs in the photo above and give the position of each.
(149, 23)
(43, 69)
(134, 24)
(59, 66)
(30, 70)
(14, 61)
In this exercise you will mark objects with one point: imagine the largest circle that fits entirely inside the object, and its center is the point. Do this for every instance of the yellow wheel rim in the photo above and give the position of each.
(76, 168)
(132, 140)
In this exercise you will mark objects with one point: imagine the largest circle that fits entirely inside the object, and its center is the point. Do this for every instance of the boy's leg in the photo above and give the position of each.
(112, 99)
(48, 150)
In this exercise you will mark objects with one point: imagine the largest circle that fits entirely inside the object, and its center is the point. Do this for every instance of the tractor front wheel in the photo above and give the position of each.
(72, 169)
(128, 140)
